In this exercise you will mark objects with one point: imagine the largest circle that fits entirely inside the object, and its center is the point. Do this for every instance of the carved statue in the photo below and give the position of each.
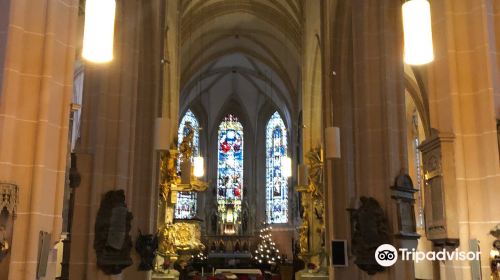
(244, 221)
(180, 236)
(4, 243)
(213, 221)
(186, 146)
(495, 260)
(312, 209)
(146, 245)
(112, 241)
(166, 240)
(168, 173)
(304, 237)
(369, 230)
(315, 160)
(495, 253)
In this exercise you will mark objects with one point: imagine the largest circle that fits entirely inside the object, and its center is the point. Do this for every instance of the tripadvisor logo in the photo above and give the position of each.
(386, 255)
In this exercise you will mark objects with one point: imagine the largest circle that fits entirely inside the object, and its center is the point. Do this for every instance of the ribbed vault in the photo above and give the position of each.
(241, 50)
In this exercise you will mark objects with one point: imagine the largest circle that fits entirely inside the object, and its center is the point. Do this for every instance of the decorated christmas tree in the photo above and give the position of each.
(266, 255)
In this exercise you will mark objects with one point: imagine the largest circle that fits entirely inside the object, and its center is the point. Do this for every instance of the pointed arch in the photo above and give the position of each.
(230, 173)
(276, 182)
(185, 208)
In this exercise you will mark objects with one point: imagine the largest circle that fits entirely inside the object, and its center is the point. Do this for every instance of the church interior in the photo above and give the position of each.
(250, 139)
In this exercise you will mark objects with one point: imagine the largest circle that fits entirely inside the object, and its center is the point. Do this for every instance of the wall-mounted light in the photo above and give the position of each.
(199, 168)
(162, 134)
(417, 32)
(286, 166)
(332, 142)
(99, 30)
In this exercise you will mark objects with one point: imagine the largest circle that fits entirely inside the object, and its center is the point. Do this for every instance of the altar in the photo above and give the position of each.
(232, 260)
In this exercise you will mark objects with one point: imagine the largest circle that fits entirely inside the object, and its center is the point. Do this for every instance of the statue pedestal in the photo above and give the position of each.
(306, 275)
(171, 274)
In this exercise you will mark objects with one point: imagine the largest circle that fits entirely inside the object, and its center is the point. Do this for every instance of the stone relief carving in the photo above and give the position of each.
(112, 241)
(146, 245)
(369, 230)
(8, 197)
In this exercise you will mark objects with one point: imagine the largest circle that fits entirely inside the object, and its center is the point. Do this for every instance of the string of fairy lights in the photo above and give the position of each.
(266, 252)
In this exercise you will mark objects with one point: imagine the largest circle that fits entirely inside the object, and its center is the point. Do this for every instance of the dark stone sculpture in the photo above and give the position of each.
(244, 222)
(369, 230)
(112, 241)
(213, 221)
(146, 245)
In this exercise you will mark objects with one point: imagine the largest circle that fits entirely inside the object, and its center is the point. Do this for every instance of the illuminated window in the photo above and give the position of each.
(230, 172)
(276, 183)
(185, 208)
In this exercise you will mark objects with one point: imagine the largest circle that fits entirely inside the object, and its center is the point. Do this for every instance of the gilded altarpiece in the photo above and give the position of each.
(177, 239)
(312, 231)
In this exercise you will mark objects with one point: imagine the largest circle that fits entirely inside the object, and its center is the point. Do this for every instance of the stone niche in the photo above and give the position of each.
(440, 189)
(403, 192)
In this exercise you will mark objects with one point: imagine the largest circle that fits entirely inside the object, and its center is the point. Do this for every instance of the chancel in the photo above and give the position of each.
(249, 139)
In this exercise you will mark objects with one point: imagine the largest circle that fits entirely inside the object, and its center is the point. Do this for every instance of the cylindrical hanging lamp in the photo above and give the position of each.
(199, 168)
(99, 30)
(417, 32)
(286, 166)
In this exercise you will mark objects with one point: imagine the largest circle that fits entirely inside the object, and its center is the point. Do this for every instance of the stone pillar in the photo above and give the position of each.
(35, 97)
(311, 78)
(463, 85)
(120, 105)
(365, 98)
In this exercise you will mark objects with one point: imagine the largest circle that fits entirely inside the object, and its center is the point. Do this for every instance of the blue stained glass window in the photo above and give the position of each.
(276, 183)
(185, 208)
(230, 170)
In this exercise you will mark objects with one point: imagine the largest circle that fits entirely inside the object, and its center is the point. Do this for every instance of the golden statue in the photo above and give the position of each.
(166, 240)
(312, 231)
(181, 236)
(304, 238)
(168, 173)
(186, 146)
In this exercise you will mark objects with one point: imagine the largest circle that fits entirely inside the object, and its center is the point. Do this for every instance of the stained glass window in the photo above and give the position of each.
(276, 182)
(418, 170)
(185, 208)
(230, 172)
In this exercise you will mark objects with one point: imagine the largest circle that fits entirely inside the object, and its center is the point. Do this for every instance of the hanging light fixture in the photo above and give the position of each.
(99, 30)
(199, 169)
(286, 166)
(417, 32)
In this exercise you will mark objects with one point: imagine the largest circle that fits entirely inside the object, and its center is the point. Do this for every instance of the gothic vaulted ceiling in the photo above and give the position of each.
(249, 48)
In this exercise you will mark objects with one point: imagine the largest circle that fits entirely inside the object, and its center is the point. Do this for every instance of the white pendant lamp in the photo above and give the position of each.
(417, 29)
(286, 166)
(199, 169)
(99, 30)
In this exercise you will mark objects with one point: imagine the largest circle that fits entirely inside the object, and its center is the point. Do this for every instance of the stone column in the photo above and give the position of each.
(35, 96)
(365, 98)
(463, 86)
(120, 104)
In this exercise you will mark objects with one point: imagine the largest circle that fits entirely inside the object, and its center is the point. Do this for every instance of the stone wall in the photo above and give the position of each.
(35, 98)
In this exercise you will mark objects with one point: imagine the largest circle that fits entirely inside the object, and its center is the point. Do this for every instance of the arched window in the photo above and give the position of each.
(185, 208)
(419, 182)
(276, 182)
(230, 172)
